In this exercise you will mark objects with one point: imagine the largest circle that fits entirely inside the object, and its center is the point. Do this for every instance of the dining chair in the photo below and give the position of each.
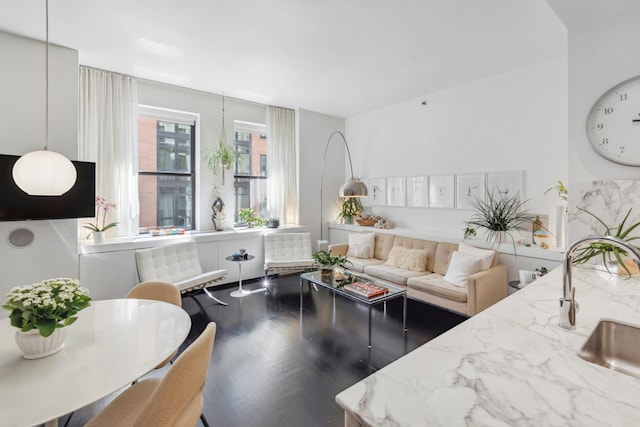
(158, 291)
(173, 400)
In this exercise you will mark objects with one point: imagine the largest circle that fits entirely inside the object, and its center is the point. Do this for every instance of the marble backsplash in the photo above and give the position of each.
(608, 200)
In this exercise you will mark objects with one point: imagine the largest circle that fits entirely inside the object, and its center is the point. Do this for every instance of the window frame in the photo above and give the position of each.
(178, 118)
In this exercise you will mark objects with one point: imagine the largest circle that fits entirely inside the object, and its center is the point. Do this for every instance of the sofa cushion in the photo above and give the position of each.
(361, 245)
(411, 243)
(486, 255)
(384, 243)
(460, 267)
(435, 284)
(359, 264)
(442, 256)
(408, 259)
(391, 273)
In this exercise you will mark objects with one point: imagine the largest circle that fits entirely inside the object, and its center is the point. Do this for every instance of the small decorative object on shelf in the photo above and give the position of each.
(366, 220)
(273, 222)
(102, 205)
(217, 209)
(41, 311)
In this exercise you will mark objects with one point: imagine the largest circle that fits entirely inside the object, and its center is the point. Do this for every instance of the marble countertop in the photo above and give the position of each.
(510, 365)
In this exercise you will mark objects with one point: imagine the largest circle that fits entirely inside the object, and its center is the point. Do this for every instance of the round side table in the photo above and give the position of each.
(239, 293)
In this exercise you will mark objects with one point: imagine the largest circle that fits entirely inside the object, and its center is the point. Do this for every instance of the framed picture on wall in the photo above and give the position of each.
(442, 191)
(396, 192)
(418, 191)
(505, 184)
(469, 187)
(377, 191)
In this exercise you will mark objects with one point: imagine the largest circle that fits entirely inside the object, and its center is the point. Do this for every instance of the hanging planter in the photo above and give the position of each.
(222, 157)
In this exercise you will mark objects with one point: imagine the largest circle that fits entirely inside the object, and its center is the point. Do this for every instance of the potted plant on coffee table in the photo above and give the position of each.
(327, 263)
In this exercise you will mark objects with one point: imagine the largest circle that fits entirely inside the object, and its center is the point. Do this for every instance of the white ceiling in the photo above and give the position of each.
(338, 57)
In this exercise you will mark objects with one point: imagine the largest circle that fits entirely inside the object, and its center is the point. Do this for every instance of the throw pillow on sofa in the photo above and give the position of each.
(408, 259)
(485, 255)
(461, 266)
(361, 245)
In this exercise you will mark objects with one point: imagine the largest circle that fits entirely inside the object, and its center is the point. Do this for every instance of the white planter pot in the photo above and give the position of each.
(34, 346)
(98, 237)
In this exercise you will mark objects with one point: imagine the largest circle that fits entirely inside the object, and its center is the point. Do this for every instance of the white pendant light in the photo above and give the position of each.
(45, 172)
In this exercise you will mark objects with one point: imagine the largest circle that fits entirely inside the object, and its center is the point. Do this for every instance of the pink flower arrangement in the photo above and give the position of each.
(102, 205)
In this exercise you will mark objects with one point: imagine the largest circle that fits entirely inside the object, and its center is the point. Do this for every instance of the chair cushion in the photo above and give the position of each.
(290, 263)
(200, 279)
(287, 246)
(436, 285)
(171, 263)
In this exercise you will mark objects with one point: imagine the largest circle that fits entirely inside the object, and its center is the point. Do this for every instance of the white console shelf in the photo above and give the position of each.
(108, 270)
(523, 258)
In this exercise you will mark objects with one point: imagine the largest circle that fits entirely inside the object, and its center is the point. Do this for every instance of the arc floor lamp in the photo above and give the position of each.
(352, 187)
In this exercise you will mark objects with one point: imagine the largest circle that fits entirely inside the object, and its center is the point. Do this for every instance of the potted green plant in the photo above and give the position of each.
(349, 208)
(609, 254)
(498, 216)
(327, 263)
(250, 217)
(41, 311)
(97, 229)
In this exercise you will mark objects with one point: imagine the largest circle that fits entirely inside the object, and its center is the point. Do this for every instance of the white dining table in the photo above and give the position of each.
(113, 343)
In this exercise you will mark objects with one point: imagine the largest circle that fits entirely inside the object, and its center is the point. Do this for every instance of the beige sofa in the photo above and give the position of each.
(483, 288)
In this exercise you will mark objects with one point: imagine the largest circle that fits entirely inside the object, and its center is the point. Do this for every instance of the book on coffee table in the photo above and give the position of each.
(366, 289)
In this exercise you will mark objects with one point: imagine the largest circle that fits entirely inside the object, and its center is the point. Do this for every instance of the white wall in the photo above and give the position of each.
(209, 107)
(313, 131)
(508, 122)
(54, 252)
(601, 54)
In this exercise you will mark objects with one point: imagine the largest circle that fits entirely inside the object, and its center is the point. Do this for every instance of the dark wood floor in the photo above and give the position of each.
(272, 366)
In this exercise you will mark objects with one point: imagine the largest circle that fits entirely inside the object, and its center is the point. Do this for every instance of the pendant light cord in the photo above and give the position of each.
(46, 80)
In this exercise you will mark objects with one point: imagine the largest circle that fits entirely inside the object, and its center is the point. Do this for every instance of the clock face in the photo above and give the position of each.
(613, 124)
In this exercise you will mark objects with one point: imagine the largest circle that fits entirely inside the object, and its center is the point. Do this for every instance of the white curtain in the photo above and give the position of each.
(282, 164)
(108, 136)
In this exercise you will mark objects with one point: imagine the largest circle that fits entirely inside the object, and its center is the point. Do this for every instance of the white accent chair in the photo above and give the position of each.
(288, 253)
(179, 265)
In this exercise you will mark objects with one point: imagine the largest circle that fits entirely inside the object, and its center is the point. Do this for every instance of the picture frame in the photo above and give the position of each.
(505, 184)
(442, 191)
(396, 193)
(418, 191)
(469, 187)
(378, 191)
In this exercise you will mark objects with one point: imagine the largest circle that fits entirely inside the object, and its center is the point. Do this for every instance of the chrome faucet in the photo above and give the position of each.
(568, 304)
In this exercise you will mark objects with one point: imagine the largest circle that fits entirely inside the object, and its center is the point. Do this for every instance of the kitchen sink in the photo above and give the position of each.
(614, 345)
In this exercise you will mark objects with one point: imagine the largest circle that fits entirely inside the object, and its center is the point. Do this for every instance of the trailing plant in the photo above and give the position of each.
(497, 215)
(219, 158)
(250, 218)
(608, 251)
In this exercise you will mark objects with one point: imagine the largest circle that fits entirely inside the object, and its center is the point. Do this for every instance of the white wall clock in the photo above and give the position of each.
(613, 123)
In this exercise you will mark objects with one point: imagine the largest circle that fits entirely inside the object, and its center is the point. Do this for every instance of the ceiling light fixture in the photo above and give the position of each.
(45, 172)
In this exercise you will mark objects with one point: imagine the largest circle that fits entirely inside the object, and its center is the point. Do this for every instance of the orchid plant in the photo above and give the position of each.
(104, 206)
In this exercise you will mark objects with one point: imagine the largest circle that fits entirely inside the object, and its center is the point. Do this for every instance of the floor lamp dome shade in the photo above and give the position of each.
(353, 188)
(44, 173)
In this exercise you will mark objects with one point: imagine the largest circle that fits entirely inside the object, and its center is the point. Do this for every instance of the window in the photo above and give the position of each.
(166, 181)
(250, 168)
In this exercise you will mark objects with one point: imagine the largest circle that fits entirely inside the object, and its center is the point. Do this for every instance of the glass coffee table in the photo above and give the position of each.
(337, 287)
